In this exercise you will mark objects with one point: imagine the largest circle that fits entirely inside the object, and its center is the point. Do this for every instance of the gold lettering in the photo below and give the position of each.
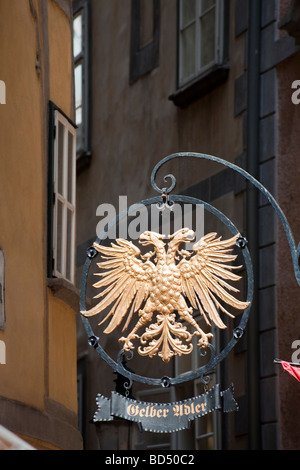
(176, 410)
(180, 409)
(133, 410)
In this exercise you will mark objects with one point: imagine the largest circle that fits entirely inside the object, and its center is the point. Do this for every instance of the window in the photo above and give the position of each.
(145, 31)
(62, 196)
(207, 426)
(2, 309)
(202, 48)
(199, 24)
(81, 76)
(155, 441)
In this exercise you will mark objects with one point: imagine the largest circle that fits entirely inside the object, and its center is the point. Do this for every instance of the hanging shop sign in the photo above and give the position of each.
(153, 296)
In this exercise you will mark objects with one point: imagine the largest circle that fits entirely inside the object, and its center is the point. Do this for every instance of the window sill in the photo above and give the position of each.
(64, 291)
(200, 86)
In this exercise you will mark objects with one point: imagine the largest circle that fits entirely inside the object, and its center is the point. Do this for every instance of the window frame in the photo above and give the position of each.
(218, 49)
(150, 395)
(83, 150)
(212, 75)
(143, 58)
(54, 196)
(195, 364)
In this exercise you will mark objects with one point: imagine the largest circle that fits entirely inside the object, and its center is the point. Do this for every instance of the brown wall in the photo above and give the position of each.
(133, 127)
(288, 295)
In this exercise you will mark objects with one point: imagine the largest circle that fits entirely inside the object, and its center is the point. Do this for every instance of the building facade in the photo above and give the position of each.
(38, 379)
(153, 78)
(93, 94)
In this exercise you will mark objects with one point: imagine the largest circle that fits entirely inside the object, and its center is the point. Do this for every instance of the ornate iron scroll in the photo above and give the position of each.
(295, 252)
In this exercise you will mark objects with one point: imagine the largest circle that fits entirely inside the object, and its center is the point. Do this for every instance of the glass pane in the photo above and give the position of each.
(184, 363)
(204, 425)
(60, 158)
(79, 116)
(69, 244)
(77, 35)
(188, 52)
(78, 86)
(70, 168)
(208, 38)
(146, 32)
(205, 4)
(206, 443)
(188, 11)
(159, 441)
(79, 137)
(59, 237)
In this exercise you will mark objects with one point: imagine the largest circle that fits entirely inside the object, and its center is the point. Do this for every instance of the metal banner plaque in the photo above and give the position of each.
(164, 417)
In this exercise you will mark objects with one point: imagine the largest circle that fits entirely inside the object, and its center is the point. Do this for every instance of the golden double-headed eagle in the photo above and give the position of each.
(133, 284)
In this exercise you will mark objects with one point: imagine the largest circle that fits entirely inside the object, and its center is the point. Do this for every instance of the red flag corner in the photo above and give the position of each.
(294, 371)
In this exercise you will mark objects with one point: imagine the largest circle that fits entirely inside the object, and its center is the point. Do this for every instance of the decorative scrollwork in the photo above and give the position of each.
(165, 328)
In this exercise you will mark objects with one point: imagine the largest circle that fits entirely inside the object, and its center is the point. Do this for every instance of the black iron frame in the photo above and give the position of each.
(167, 198)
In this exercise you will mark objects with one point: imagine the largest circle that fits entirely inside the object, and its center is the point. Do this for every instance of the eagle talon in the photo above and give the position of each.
(204, 340)
(127, 342)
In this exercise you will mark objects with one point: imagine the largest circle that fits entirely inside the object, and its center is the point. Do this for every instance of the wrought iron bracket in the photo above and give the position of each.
(295, 251)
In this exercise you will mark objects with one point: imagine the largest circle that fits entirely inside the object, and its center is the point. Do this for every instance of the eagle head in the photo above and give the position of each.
(151, 238)
(183, 235)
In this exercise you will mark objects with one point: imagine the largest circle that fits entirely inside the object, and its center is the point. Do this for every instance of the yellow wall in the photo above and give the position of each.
(62, 372)
(22, 207)
(60, 58)
(40, 330)
(62, 351)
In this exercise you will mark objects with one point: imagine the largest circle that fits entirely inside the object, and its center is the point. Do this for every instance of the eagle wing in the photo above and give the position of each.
(204, 278)
(126, 281)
